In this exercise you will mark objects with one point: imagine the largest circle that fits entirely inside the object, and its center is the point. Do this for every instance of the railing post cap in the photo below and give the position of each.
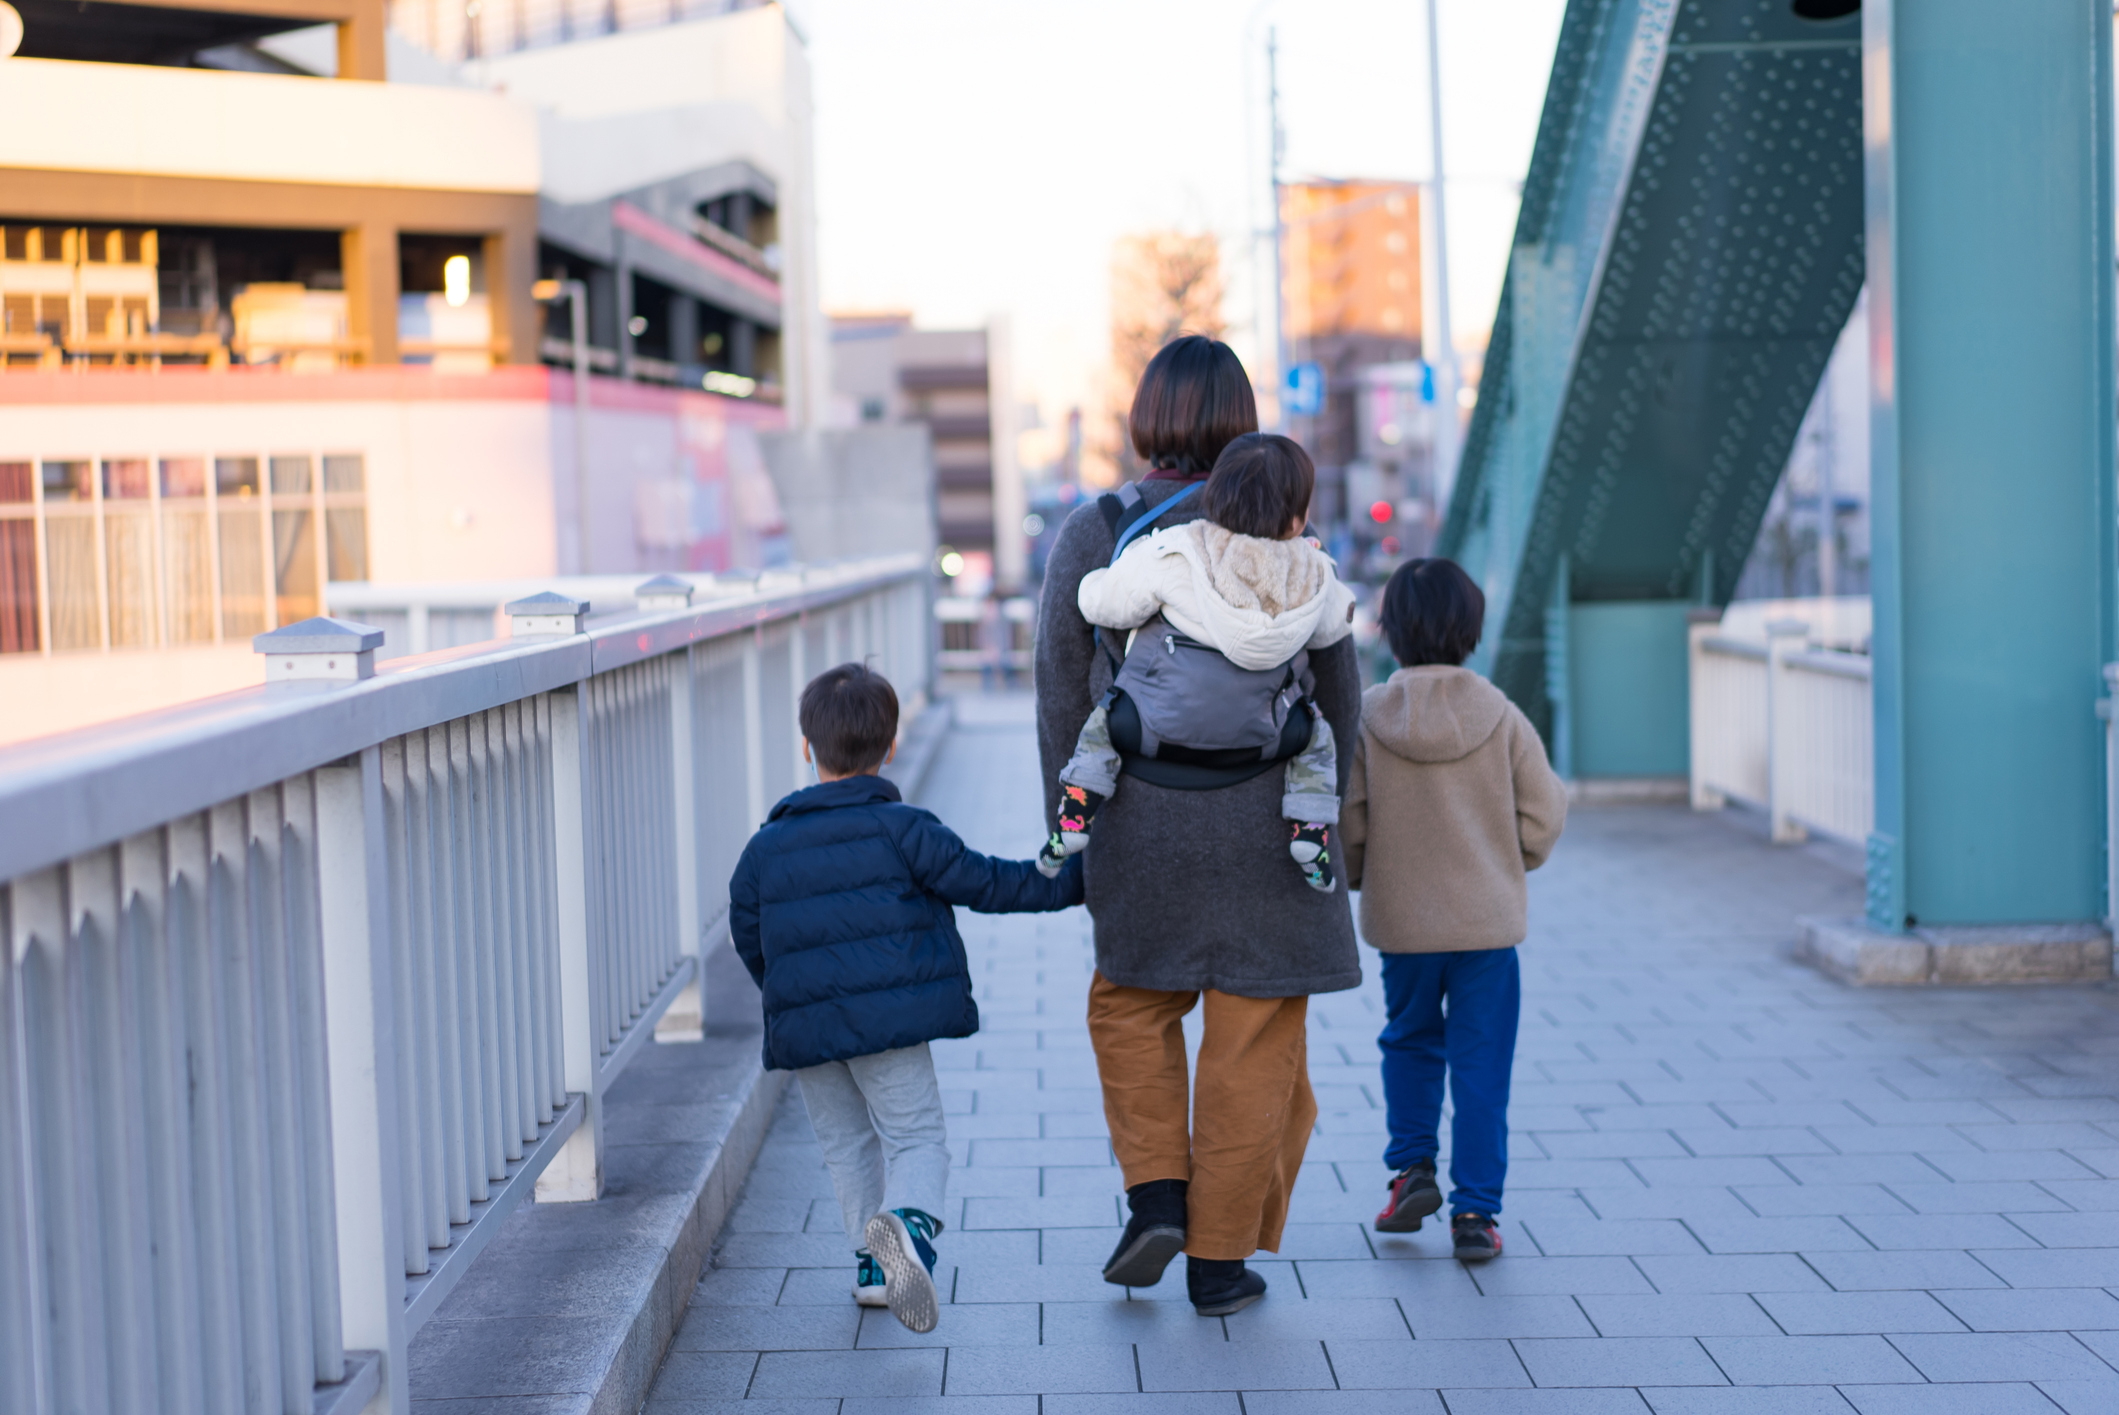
(335, 650)
(547, 613)
(2111, 675)
(663, 592)
(1786, 628)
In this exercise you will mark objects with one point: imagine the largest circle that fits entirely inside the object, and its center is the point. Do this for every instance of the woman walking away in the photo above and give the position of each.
(1451, 802)
(1191, 894)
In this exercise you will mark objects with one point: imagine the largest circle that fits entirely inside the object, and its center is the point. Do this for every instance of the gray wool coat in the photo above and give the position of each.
(1189, 889)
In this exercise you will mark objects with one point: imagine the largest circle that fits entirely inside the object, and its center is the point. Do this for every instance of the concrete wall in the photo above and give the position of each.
(168, 122)
(854, 491)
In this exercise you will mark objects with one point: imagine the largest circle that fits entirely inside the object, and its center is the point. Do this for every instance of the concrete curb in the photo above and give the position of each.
(1987, 956)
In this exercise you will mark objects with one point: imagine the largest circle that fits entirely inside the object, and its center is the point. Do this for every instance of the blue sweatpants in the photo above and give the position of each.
(1454, 1012)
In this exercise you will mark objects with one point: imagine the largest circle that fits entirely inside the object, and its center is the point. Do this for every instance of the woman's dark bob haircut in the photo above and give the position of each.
(1192, 401)
(1261, 487)
(850, 716)
(1432, 613)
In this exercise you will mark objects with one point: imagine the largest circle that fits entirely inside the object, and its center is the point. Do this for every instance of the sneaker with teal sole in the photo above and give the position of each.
(869, 1284)
(899, 1241)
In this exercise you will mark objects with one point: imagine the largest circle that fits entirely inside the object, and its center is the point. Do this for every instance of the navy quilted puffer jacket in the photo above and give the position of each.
(841, 909)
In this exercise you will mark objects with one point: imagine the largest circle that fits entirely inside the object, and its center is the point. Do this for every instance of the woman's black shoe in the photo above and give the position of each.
(1219, 1286)
(1154, 1234)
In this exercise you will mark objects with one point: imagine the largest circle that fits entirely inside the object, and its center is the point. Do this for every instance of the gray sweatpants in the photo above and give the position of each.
(879, 1121)
(1311, 792)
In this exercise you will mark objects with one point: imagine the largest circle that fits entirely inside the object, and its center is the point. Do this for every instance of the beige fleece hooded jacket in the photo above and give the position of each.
(1451, 802)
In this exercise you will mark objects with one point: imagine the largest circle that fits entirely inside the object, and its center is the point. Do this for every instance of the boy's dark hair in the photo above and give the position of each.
(850, 716)
(1432, 613)
(1261, 485)
(1192, 399)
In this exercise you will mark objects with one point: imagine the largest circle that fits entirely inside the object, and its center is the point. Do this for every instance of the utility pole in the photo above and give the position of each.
(1276, 150)
(1443, 452)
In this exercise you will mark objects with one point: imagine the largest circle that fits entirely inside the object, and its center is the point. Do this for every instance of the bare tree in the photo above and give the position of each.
(1163, 284)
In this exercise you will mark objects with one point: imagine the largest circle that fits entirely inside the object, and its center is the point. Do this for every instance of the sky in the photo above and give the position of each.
(979, 157)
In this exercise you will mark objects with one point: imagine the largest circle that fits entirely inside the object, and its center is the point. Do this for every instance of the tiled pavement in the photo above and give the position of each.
(1736, 1187)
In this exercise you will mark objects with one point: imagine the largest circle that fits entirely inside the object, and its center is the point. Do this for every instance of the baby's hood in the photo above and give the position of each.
(1433, 713)
(1256, 600)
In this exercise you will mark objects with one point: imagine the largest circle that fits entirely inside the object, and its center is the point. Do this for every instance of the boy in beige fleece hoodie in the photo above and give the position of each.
(1451, 802)
(1244, 582)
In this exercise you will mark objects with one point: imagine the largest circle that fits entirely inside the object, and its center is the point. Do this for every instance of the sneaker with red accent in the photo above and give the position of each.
(1414, 1195)
(1476, 1236)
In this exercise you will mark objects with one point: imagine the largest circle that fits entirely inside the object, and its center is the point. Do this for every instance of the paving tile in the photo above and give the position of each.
(1683, 1202)
(1612, 1144)
(2085, 1195)
(1905, 1231)
(1776, 1235)
(1116, 1323)
(1734, 1272)
(1893, 1170)
(1591, 1238)
(1993, 1356)
(703, 1375)
(1738, 1170)
(1343, 1402)
(1877, 1272)
(1399, 1365)
(1808, 1360)
(1857, 1313)
(755, 1287)
(1283, 1317)
(1431, 1279)
(2078, 1309)
(1747, 1400)
(717, 1326)
(1225, 1402)
(2091, 1230)
(1943, 1197)
(1985, 1398)
(816, 1374)
(1533, 1277)
(1770, 1140)
(2097, 1395)
(1893, 1139)
(2031, 1267)
(1497, 1316)
(1679, 1314)
(1082, 1211)
(1837, 1200)
(962, 1324)
(1234, 1365)
(1619, 1361)
(1545, 1402)
(707, 1407)
(1041, 1370)
(2035, 1135)
(1080, 1151)
(2011, 1165)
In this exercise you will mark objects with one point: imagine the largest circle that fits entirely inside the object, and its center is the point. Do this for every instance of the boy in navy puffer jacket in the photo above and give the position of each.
(841, 909)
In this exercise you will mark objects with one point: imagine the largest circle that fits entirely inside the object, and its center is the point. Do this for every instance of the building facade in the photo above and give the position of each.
(267, 319)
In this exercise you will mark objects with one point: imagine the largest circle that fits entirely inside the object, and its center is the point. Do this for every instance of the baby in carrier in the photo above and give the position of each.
(1244, 597)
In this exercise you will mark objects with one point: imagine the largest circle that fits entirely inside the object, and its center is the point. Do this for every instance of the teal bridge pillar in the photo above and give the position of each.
(1987, 140)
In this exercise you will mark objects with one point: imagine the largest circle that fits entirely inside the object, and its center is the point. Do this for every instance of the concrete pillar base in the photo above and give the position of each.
(1968, 956)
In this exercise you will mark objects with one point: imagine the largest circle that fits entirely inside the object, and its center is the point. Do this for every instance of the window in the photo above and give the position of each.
(138, 552)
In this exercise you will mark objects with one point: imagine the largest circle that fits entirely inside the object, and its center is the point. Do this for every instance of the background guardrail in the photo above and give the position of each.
(305, 987)
(1783, 726)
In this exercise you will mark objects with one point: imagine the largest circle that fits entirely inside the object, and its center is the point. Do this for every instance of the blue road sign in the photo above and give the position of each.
(1303, 395)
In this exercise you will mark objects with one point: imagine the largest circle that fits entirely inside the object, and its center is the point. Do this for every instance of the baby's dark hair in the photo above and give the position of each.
(1260, 486)
(1432, 613)
(850, 716)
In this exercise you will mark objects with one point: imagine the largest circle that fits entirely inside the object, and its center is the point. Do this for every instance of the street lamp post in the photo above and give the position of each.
(577, 296)
(1277, 144)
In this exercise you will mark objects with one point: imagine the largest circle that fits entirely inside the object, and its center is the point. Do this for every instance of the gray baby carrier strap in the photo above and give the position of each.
(1190, 696)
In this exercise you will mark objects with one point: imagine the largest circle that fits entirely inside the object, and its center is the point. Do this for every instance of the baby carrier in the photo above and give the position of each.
(1182, 715)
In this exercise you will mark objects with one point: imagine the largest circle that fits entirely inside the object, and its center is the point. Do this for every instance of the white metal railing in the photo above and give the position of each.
(306, 987)
(1778, 724)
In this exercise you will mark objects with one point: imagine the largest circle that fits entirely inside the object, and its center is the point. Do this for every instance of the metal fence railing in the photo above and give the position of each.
(306, 987)
(1784, 726)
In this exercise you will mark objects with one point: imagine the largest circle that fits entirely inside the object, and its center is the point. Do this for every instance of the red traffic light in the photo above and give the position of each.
(1381, 512)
